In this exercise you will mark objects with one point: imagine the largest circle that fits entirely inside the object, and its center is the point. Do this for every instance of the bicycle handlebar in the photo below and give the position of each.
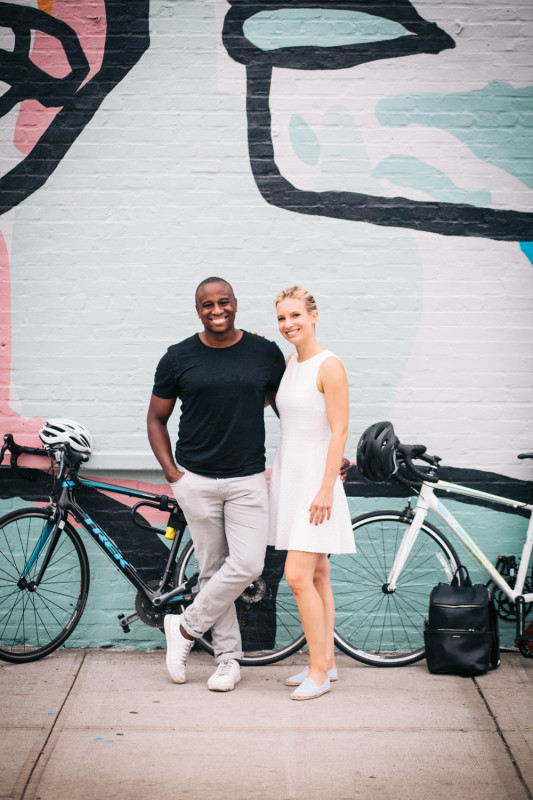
(407, 452)
(17, 450)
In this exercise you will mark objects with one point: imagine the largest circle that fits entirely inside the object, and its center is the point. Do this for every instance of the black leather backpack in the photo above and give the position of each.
(461, 632)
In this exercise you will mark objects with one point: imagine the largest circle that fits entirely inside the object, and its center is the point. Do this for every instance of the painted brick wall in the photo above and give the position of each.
(378, 154)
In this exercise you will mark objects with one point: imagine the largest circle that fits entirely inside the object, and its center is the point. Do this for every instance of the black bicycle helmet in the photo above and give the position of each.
(376, 452)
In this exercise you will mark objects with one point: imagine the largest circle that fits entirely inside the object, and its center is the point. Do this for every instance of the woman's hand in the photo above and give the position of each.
(320, 508)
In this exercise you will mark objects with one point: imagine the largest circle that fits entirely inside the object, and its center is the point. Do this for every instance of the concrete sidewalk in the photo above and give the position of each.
(103, 724)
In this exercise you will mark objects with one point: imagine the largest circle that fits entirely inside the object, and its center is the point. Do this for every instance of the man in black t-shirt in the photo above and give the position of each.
(223, 377)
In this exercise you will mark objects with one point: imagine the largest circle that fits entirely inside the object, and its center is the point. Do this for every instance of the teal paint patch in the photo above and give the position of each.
(527, 249)
(495, 122)
(409, 171)
(305, 27)
(305, 142)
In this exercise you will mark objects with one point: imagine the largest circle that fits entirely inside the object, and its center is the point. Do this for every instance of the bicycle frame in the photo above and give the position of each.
(65, 505)
(428, 502)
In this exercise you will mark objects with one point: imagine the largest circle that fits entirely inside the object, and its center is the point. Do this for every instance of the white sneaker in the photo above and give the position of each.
(227, 675)
(178, 648)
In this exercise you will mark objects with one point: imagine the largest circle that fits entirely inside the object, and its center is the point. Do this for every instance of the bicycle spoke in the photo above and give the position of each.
(372, 624)
(35, 619)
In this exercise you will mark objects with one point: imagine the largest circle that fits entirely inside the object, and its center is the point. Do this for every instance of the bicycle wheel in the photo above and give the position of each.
(371, 625)
(267, 612)
(35, 620)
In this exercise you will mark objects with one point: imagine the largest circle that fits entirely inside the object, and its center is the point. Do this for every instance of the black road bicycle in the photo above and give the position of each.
(44, 571)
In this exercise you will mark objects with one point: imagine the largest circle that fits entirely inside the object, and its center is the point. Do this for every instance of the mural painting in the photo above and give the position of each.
(369, 150)
(411, 35)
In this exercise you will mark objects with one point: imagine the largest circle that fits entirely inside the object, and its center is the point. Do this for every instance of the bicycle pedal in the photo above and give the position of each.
(125, 620)
(123, 624)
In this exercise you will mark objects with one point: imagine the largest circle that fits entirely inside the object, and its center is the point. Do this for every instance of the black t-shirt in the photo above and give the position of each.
(222, 392)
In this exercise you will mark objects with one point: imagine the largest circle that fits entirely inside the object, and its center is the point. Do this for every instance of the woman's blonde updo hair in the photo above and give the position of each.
(297, 293)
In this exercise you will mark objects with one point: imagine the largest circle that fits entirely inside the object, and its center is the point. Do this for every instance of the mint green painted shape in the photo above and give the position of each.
(304, 140)
(409, 171)
(527, 249)
(495, 122)
(306, 27)
(109, 595)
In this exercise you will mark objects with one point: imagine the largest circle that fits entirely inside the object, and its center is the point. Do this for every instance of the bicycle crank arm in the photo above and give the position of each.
(185, 591)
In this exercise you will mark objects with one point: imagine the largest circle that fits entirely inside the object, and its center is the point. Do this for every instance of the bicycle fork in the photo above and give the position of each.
(53, 526)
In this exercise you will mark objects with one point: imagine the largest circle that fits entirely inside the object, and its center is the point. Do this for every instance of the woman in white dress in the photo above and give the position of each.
(309, 515)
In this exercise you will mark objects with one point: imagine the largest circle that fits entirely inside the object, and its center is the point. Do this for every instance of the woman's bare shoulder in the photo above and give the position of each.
(332, 365)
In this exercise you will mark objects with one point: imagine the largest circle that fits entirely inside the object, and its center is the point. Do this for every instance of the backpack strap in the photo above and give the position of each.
(455, 579)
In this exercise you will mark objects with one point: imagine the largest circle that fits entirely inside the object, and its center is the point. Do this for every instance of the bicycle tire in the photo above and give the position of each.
(270, 624)
(372, 626)
(35, 621)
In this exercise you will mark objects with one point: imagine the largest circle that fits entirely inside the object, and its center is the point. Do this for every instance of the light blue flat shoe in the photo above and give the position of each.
(308, 689)
(296, 680)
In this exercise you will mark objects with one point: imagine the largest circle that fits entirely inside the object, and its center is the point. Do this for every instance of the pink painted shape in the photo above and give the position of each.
(33, 120)
(88, 19)
(24, 430)
(152, 515)
(48, 55)
(5, 322)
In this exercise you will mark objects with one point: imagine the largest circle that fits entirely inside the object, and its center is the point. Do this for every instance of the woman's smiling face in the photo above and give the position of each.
(295, 323)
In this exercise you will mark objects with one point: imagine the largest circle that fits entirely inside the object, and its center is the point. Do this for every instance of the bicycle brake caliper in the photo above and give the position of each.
(407, 514)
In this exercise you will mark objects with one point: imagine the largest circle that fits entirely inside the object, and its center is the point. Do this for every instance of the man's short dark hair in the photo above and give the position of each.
(212, 279)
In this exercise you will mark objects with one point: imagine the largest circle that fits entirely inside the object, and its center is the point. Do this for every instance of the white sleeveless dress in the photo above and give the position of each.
(299, 466)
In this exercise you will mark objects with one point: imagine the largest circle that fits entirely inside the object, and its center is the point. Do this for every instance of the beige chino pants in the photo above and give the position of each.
(228, 521)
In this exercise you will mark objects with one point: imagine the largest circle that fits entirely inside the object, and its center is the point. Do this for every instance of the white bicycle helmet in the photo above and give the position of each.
(66, 431)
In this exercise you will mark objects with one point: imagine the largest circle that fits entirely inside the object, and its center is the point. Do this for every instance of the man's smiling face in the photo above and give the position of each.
(216, 307)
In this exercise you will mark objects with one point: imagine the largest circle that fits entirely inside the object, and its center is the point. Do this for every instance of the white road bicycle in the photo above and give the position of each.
(382, 591)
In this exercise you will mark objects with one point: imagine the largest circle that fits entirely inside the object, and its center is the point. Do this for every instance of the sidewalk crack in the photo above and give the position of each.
(54, 725)
(501, 734)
